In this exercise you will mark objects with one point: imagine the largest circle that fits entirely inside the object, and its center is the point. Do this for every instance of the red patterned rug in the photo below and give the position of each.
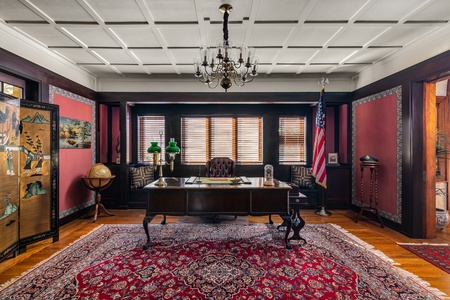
(436, 254)
(216, 261)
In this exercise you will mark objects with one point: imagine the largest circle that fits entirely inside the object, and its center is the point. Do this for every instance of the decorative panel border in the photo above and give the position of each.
(397, 218)
(55, 90)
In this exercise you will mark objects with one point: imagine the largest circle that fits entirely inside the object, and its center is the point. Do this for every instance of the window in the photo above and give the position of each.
(292, 140)
(239, 138)
(149, 128)
(11, 90)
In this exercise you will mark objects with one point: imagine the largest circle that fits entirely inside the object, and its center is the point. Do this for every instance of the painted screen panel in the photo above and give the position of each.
(9, 162)
(38, 171)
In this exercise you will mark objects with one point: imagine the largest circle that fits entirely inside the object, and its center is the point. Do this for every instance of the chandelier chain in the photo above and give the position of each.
(225, 27)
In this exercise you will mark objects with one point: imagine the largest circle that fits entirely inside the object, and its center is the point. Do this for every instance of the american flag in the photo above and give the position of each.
(318, 166)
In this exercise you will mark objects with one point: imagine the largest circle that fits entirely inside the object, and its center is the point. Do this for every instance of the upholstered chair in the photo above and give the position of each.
(220, 167)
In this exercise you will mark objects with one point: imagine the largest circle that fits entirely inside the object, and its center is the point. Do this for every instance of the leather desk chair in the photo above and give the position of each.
(220, 167)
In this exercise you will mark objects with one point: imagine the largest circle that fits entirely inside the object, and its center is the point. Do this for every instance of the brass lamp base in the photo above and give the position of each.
(160, 182)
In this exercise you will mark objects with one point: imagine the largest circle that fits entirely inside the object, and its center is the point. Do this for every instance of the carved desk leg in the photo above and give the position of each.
(147, 220)
(297, 224)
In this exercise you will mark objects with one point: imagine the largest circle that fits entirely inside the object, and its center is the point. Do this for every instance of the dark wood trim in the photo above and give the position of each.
(38, 78)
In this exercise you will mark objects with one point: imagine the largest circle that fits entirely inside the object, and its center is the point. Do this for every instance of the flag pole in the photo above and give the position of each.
(319, 164)
(322, 211)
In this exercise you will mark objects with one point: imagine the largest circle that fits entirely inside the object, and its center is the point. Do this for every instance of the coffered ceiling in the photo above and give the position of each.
(146, 38)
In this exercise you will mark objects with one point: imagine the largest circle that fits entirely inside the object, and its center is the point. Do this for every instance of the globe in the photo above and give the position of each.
(96, 174)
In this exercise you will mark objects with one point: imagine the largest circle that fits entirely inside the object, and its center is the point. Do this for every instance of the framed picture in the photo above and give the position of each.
(332, 158)
(74, 133)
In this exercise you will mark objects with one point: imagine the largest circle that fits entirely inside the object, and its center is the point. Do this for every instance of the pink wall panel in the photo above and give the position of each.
(103, 132)
(376, 134)
(343, 134)
(115, 116)
(73, 162)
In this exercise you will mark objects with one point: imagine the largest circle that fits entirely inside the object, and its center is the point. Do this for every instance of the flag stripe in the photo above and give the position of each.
(319, 164)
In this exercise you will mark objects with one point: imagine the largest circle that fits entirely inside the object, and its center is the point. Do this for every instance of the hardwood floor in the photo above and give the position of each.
(383, 239)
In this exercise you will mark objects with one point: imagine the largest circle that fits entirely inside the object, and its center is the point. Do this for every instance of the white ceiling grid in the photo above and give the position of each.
(135, 38)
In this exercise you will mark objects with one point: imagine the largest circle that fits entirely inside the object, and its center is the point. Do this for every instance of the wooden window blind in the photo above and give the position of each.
(239, 138)
(292, 140)
(249, 136)
(148, 131)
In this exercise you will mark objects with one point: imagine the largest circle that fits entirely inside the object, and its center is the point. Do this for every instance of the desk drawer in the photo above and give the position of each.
(166, 201)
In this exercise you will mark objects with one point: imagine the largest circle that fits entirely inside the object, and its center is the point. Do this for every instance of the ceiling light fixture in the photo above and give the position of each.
(226, 64)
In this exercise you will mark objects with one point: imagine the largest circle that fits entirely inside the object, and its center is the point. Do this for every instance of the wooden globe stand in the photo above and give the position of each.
(90, 183)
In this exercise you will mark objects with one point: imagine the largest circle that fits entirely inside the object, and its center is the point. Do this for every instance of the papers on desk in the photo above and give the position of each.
(245, 180)
(198, 180)
(193, 179)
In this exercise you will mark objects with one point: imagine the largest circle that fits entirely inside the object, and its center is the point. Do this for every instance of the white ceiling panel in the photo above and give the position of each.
(48, 36)
(357, 36)
(279, 35)
(187, 70)
(141, 36)
(392, 10)
(292, 69)
(270, 10)
(331, 10)
(117, 11)
(313, 35)
(13, 10)
(131, 69)
(438, 10)
(296, 55)
(400, 36)
(92, 37)
(321, 69)
(116, 56)
(172, 11)
(330, 56)
(152, 56)
(267, 55)
(161, 69)
(184, 56)
(291, 36)
(180, 36)
(348, 69)
(99, 70)
(72, 10)
(368, 56)
(79, 55)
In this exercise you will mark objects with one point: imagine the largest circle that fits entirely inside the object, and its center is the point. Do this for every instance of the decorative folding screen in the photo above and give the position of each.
(29, 173)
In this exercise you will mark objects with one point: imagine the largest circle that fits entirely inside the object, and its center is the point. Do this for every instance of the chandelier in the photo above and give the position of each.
(226, 64)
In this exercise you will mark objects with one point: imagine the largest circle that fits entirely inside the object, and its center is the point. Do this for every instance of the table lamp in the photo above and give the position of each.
(171, 150)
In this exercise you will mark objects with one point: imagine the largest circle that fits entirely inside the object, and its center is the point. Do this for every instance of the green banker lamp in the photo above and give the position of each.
(172, 150)
(156, 150)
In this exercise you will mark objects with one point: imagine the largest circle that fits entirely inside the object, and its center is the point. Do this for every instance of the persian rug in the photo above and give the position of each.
(436, 254)
(216, 261)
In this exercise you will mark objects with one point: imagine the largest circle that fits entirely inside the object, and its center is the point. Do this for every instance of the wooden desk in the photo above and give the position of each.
(196, 199)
